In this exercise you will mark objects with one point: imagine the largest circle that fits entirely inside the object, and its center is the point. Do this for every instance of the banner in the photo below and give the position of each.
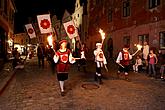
(44, 23)
(30, 30)
(70, 29)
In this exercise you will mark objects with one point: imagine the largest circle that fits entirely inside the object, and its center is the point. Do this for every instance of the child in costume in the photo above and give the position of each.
(100, 61)
(63, 57)
(123, 60)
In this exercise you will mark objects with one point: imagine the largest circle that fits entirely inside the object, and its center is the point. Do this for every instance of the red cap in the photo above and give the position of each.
(62, 41)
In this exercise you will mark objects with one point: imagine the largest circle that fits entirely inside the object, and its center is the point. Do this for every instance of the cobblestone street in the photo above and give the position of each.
(37, 88)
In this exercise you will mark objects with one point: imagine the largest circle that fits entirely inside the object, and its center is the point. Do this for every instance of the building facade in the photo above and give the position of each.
(127, 22)
(7, 10)
(80, 18)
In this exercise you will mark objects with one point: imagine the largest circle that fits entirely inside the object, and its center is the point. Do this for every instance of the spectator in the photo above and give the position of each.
(152, 60)
(50, 54)
(41, 54)
(138, 64)
(145, 52)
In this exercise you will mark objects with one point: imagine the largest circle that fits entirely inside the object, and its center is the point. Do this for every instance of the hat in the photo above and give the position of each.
(62, 41)
(97, 44)
(126, 46)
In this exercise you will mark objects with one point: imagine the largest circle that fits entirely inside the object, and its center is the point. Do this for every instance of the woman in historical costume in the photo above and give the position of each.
(63, 57)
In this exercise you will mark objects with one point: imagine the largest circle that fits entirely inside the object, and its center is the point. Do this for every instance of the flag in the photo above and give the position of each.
(70, 29)
(44, 23)
(30, 30)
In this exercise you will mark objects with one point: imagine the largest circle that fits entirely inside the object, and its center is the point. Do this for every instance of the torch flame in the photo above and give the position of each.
(50, 40)
(102, 34)
(139, 47)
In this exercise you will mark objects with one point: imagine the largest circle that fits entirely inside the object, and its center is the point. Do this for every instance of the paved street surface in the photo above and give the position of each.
(35, 88)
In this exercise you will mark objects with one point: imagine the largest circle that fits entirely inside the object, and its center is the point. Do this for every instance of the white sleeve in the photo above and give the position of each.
(56, 58)
(130, 56)
(95, 52)
(71, 59)
(119, 57)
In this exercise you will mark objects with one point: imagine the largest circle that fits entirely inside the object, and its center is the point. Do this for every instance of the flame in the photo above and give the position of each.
(50, 40)
(102, 34)
(139, 46)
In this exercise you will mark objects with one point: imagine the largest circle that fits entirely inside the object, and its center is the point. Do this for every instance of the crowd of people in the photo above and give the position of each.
(61, 57)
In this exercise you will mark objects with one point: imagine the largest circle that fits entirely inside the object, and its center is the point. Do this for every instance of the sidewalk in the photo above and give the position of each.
(6, 74)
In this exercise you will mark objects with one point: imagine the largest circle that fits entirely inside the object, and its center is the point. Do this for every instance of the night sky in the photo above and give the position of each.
(32, 8)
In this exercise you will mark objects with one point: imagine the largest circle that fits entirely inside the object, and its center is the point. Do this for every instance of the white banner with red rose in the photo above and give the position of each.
(30, 30)
(70, 29)
(44, 23)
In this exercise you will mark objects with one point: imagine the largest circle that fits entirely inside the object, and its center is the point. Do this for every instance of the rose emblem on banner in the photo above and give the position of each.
(71, 29)
(45, 23)
(30, 30)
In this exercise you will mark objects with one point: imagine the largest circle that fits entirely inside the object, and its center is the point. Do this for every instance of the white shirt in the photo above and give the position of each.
(120, 57)
(97, 54)
(145, 51)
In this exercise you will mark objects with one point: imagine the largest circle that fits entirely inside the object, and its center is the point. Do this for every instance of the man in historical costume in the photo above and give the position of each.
(123, 60)
(100, 62)
(63, 57)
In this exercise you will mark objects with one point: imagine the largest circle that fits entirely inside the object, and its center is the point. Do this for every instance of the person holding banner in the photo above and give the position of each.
(123, 60)
(100, 62)
(63, 57)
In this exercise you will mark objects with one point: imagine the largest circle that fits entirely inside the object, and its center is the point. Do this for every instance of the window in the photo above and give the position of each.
(126, 40)
(153, 3)
(126, 8)
(143, 38)
(162, 40)
(109, 15)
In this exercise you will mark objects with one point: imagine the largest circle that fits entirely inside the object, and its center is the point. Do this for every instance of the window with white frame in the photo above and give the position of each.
(126, 8)
(153, 3)
(162, 40)
(143, 38)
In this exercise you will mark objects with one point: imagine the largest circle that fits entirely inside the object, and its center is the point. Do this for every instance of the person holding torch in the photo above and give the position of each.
(123, 60)
(63, 57)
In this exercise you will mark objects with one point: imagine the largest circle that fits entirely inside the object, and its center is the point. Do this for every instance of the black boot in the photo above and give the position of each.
(100, 80)
(95, 77)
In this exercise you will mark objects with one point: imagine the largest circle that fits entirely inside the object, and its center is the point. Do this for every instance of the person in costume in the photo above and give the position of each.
(123, 60)
(100, 61)
(63, 57)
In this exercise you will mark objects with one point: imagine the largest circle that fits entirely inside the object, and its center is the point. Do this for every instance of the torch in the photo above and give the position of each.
(102, 35)
(139, 48)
